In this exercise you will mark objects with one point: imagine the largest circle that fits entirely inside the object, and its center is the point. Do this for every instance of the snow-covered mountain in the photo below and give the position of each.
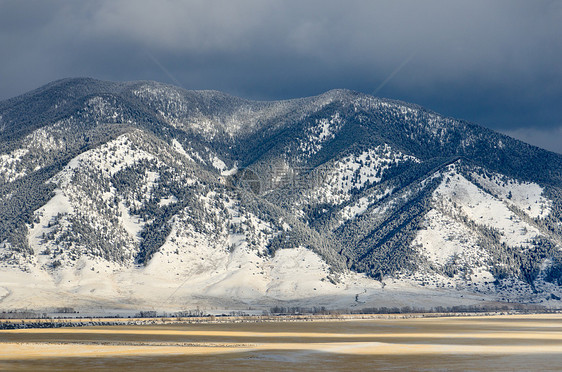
(143, 194)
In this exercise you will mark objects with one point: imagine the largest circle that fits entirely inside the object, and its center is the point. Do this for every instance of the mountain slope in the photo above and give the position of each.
(144, 193)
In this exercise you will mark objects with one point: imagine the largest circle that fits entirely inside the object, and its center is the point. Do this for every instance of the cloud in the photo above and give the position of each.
(550, 139)
(495, 63)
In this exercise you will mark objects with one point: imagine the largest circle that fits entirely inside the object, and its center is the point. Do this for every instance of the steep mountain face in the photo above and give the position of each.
(143, 193)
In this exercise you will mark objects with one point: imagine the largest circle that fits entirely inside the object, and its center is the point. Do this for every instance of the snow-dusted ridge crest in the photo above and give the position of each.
(142, 194)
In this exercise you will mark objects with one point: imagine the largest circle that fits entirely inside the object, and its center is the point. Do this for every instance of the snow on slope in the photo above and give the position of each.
(322, 131)
(218, 164)
(171, 102)
(230, 264)
(226, 267)
(101, 108)
(237, 280)
(361, 205)
(48, 216)
(463, 198)
(108, 158)
(449, 245)
(356, 171)
(37, 149)
(10, 165)
(42, 138)
(182, 113)
(84, 198)
(526, 196)
(179, 148)
(441, 239)
(203, 267)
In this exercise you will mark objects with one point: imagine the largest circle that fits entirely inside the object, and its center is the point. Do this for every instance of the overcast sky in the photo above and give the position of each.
(496, 63)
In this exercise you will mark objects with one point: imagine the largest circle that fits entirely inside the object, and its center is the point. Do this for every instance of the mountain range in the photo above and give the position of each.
(145, 195)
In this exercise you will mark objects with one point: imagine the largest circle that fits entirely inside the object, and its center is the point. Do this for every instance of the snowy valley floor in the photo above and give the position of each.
(509, 342)
(230, 281)
(126, 293)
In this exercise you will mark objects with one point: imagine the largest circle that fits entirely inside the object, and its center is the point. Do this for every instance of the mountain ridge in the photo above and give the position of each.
(218, 189)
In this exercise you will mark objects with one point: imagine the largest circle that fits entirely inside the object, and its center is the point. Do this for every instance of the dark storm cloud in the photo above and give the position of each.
(493, 62)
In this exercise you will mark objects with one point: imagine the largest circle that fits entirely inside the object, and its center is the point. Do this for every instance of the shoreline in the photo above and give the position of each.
(73, 322)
